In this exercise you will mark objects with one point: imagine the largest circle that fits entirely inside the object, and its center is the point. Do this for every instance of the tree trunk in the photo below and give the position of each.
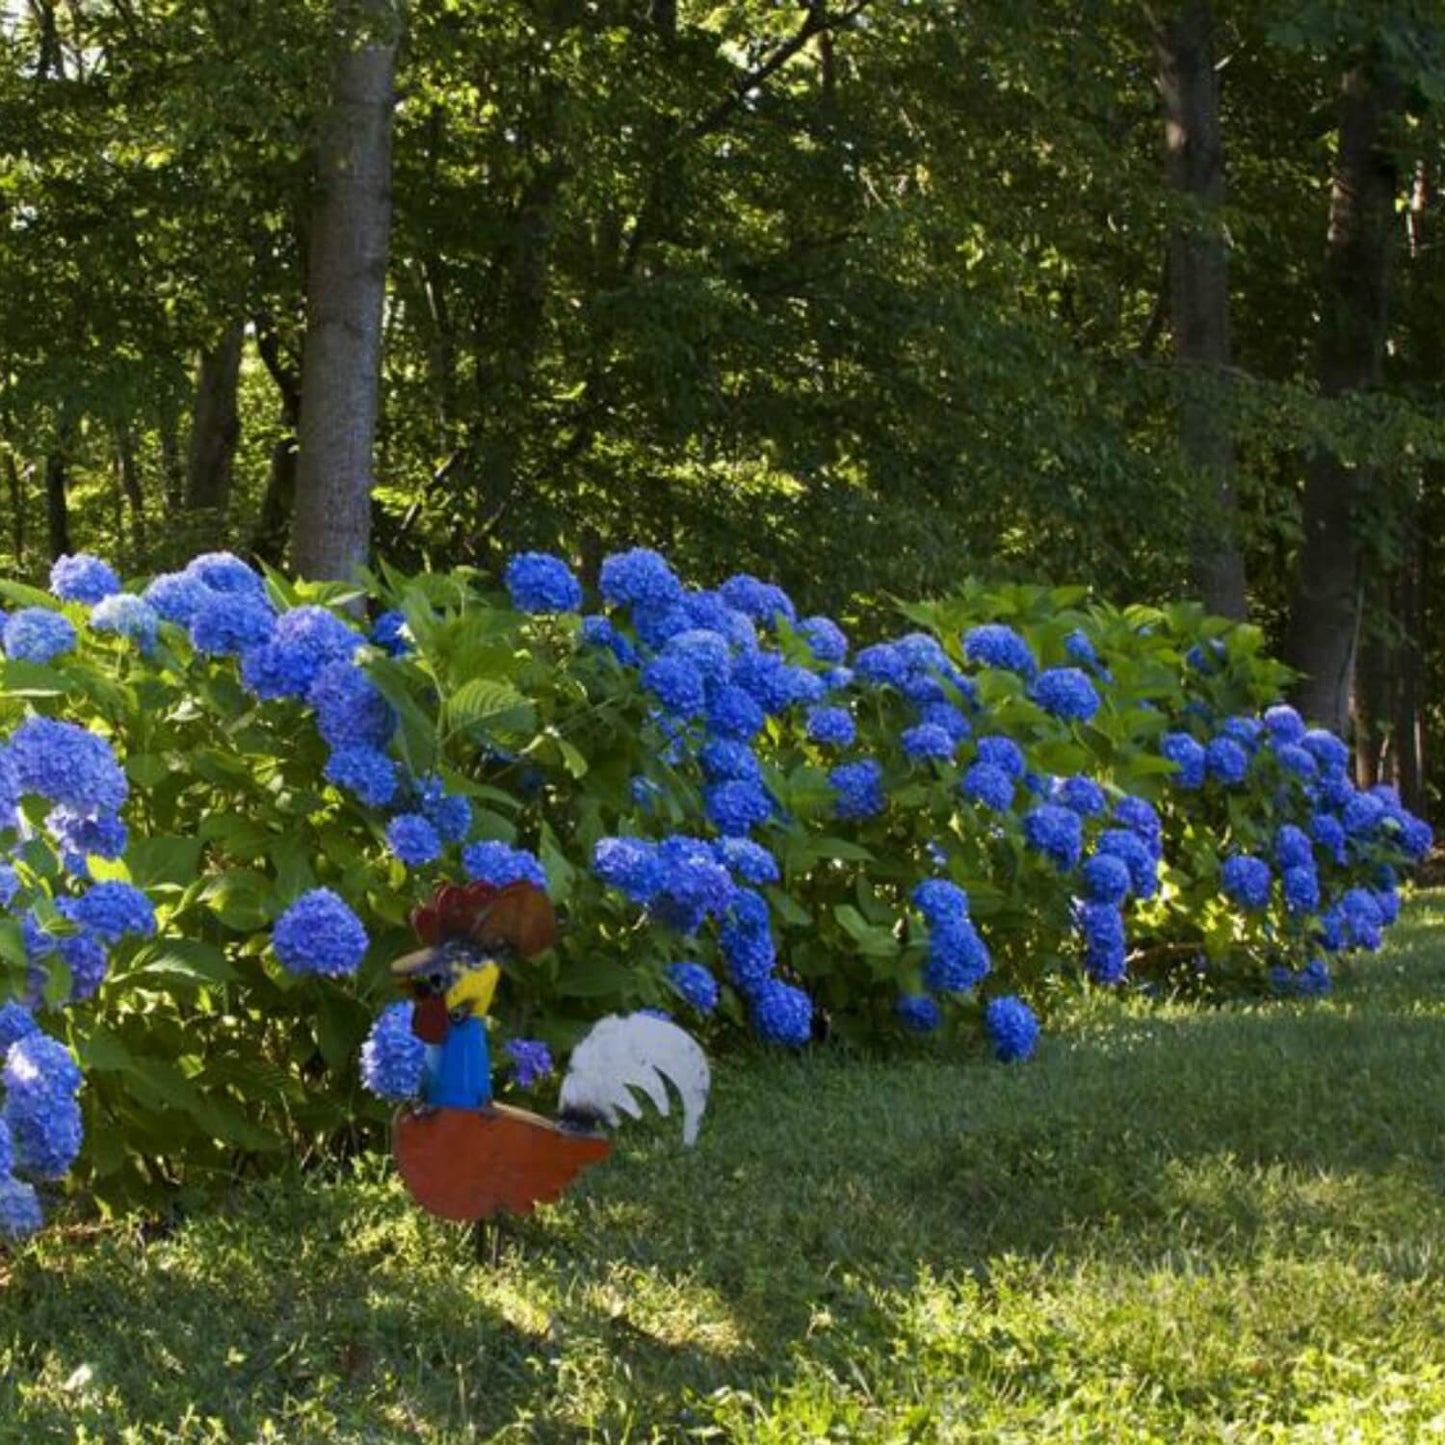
(1325, 624)
(215, 424)
(131, 486)
(15, 485)
(57, 506)
(1198, 272)
(268, 542)
(346, 283)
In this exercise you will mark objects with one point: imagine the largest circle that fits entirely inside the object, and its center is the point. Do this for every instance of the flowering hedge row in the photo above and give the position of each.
(227, 792)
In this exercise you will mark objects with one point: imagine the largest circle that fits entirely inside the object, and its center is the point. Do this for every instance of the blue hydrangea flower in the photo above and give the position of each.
(782, 1014)
(826, 640)
(694, 885)
(1329, 833)
(226, 624)
(1079, 795)
(1002, 753)
(177, 597)
(1012, 1028)
(746, 860)
(1187, 756)
(918, 1012)
(85, 835)
(944, 715)
(1140, 816)
(1284, 724)
(319, 934)
(639, 578)
(225, 572)
(1361, 815)
(9, 887)
(676, 684)
(305, 640)
(16, 1022)
(1297, 760)
(706, 651)
(531, 1061)
(413, 839)
(994, 645)
(724, 760)
(958, 958)
(540, 582)
(831, 726)
(927, 740)
(1136, 855)
(127, 616)
(1301, 888)
(1105, 941)
(1328, 751)
(1106, 878)
(737, 807)
(1055, 832)
(86, 958)
(41, 1083)
(1245, 880)
(696, 984)
(393, 1058)
(1226, 761)
(984, 783)
(1065, 692)
(631, 865)
(882, 663)
(391, 633)
(350, 708)
(746, 943)
(114, 910)
(20, 1214)
(762, 601)
(1292, 848)
(775, 684)
(37, 634)
(83, 578)
(733, 712)
(657, 626)
(500, 864)
(940, 901)
(858, 789)
(1080, 649)
(67, 764)
(365, 771)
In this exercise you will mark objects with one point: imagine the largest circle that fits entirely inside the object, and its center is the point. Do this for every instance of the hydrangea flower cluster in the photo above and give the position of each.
(40, 1124)
(319, 934)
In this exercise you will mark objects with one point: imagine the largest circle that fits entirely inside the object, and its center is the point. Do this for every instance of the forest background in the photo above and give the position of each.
(860, 295)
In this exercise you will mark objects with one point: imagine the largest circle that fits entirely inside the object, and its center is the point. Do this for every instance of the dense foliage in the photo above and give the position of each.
(741, 279)
(230, 796)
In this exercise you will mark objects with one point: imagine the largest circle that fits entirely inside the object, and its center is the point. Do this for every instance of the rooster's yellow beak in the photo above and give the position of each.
(475, 989)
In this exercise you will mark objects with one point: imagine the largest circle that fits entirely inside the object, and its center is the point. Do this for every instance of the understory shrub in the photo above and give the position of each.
(222, 795)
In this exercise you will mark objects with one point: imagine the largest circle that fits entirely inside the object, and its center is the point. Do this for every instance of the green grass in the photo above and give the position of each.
(1173, 1225)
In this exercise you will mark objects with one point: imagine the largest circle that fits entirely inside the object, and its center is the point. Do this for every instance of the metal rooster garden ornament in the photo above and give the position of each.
(462, 1155)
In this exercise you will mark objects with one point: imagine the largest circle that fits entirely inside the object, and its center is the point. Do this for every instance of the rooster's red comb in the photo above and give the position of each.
(519, 915)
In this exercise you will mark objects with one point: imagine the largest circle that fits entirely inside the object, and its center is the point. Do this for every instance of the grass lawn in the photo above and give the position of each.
(1170, 1226)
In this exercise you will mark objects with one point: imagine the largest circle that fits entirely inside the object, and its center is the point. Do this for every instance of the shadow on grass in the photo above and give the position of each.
(823, 1194)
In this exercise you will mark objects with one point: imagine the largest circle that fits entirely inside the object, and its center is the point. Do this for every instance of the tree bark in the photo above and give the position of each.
(1325, 622)
(57, 506)
(346, 283)
(215, 424)
(131, 486)
(15, 485)
(1198, 273)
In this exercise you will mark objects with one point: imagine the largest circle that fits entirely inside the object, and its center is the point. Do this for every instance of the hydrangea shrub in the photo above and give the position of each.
(228, 792)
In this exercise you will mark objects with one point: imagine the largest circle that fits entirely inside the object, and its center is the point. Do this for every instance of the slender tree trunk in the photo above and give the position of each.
(172, 472)
(1325, 624)
(57, 506)
(346, 284)
(15, 486)
(1199, 292)
(215, 424)
(131, 485)
(268, 542)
